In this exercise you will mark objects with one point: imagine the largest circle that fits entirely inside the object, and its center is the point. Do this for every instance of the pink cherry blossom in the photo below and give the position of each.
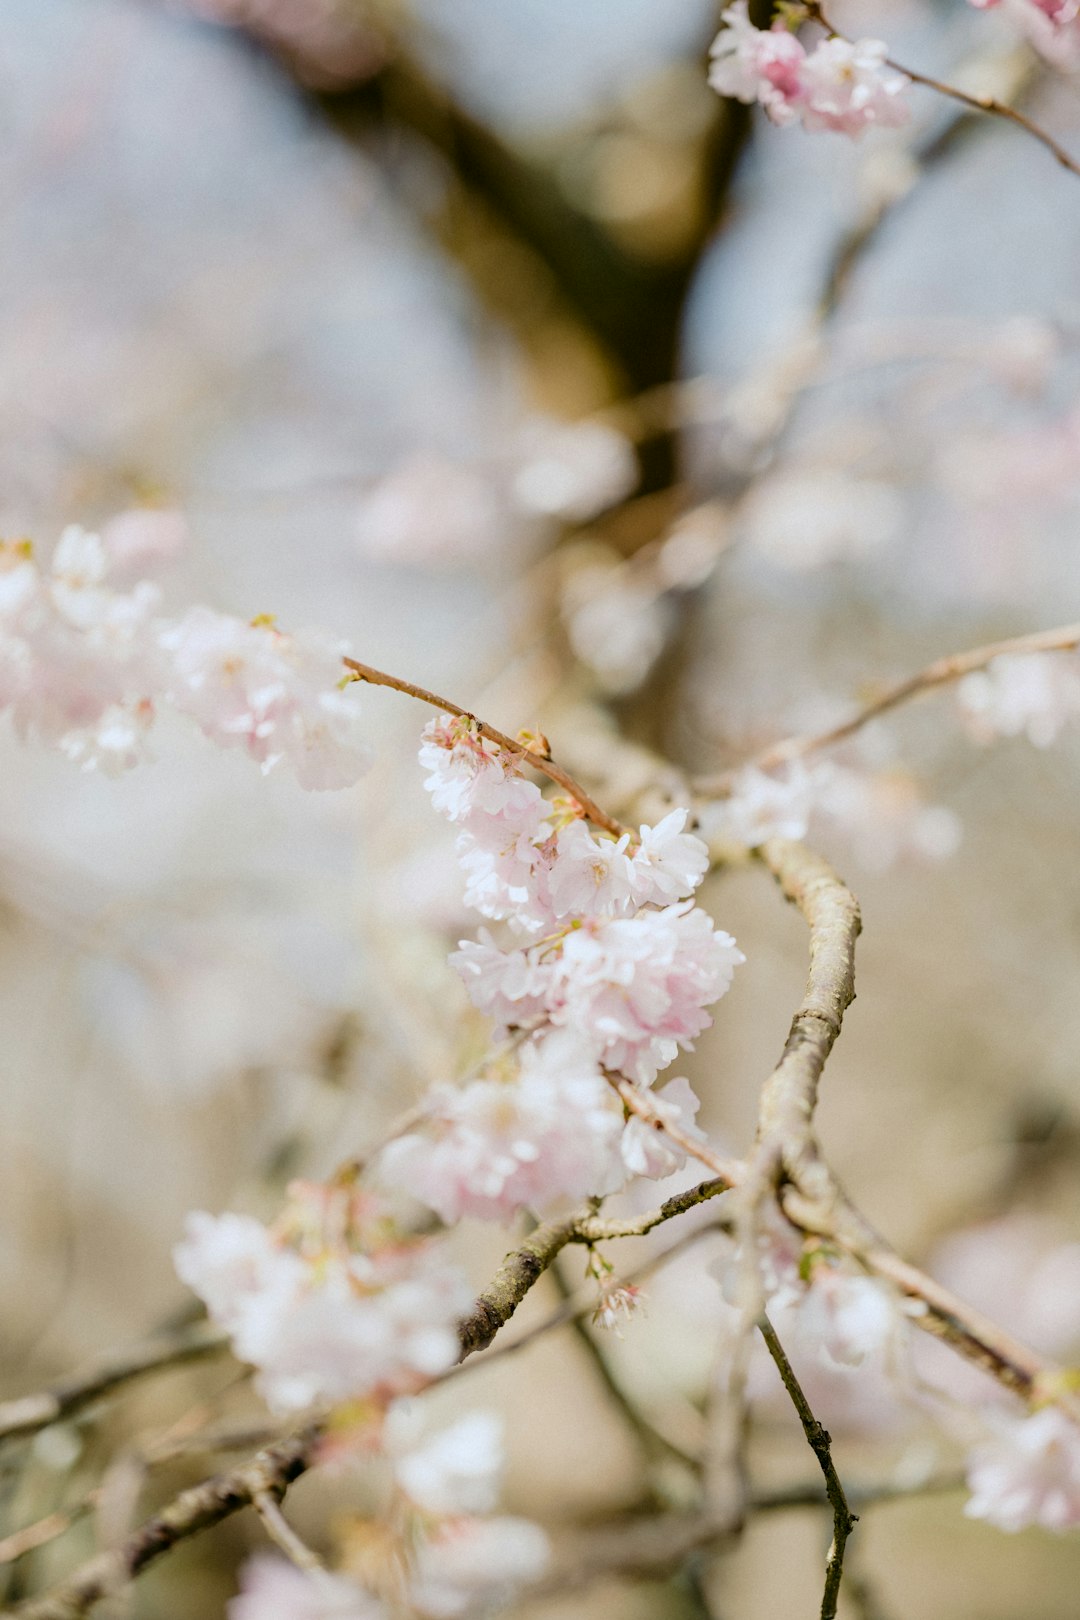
(647, 1151)
(275, 695)
(640, 985)
(590, 876)
(849, 86)
(1029, 1473)
(497, 1146)
(754, 64)
(470, 1564)
(271, 1589)
(329, 1323)
(668, 863)
(846, 1316)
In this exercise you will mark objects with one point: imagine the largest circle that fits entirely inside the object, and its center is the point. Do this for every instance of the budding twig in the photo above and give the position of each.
(942, 672)
(819, 1439)
(532, 756)
(976, 103)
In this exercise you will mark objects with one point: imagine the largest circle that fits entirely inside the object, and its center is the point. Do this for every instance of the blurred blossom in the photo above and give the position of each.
(453, 1472)
(884, 819)
(143, 538)
(329, 44)
(432, 511)
(472, 1565)
(271, 1589)
(805, 520)
(761, 805)
(1052, 26)
(1033, 695)
(572, 470)
(1029, 1473)
(1017, 1268)
(617, 624)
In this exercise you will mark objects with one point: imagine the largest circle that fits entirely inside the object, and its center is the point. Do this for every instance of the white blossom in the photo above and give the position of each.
(1032, 694)
(456, 1471)
(1029, 1473)
(271, 1589)
(470, 1565)
(649, 1151)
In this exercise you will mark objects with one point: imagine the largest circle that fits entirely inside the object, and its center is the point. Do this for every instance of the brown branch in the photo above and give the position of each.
(975, 103)
(29, 1413)
(820, 1443)
(942, 672)
(540, 761)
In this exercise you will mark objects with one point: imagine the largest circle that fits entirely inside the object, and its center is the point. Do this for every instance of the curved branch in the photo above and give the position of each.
(539, 760)
(942, 672)
(29, 1413)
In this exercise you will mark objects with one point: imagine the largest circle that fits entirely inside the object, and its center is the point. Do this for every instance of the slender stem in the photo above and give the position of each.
(540, 761)
(942, 672)
(983, 104)
(641, 1103)
(844, 1520)
(281, 1531)
(29, 1413)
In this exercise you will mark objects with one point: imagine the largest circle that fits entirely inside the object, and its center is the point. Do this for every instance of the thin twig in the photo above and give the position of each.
(942, 672)
(976, 103)
(281, 1531)
(540, 761)
(844, 1520)
(29, 1413)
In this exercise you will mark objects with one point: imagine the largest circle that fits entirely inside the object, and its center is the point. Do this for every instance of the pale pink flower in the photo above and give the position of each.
(848, 86)
(432, 511)
(1052, 26)
(640, 985)
(469, 1564)
(509, 986)
(647, 1151)
(754, 64)
(618, 1302)
(1033, 694)
(1029, 1473)
(497, 1146)
(572, 470)
(276, 695)
(456, 1471)
(884, 818)
(763, 804)
(590, 876)
(847, 1317)
(468, 774)
(668, 863)
(331, 1325)
(271, 1589)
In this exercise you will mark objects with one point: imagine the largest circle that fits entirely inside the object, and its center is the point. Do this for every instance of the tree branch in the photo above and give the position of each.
(844, 1520)
(539, 760)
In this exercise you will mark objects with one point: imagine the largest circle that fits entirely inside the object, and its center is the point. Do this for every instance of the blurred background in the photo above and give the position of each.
(487, 336)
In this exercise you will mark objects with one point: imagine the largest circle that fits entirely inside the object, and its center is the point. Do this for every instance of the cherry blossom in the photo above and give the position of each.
(754, 64)
(849, 86)
(647, 1151)
(322, 1319)
(763, 804)
(1033, 695)
(276, 695)
(1029, 1473)
(271, 1589)
(840, 85)
(454, 1472)
(1052, 26)
(472, 1564)
(847, 1317)
(500, 1145)
(668, 863)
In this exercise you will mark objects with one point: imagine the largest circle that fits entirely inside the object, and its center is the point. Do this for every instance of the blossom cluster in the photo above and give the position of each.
(1052, 26)
(331, 1304)
(86, 667)
(609, 971)
(840, 85)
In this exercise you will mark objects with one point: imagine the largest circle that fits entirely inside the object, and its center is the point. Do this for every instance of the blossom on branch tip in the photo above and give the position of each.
(840, 85)
(470, 1565)
(1029, 1473)
(327, 1317)
(272, 1589)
